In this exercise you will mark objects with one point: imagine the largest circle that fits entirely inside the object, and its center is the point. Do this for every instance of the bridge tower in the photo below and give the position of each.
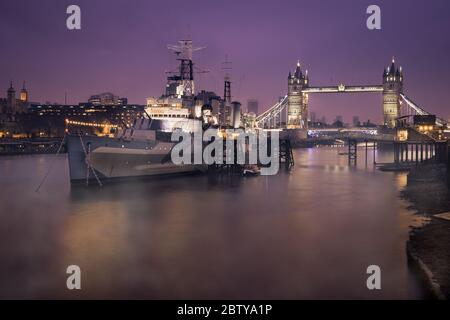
(392, 87)
(297, 100)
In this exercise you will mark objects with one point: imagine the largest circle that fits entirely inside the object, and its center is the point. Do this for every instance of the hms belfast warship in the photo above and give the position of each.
(144, 149)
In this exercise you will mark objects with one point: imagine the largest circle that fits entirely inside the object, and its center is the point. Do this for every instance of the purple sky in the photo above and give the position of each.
(122, 48)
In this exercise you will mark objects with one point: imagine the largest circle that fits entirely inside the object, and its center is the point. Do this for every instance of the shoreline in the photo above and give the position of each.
(428, 247)
(48, 145)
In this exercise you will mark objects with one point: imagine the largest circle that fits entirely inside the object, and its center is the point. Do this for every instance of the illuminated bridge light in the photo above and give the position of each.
(90, 124)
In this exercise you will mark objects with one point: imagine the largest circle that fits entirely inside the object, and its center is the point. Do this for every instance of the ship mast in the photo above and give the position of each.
(184, 51)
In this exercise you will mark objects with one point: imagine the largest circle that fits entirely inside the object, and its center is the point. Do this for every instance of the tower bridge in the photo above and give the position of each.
(295, 103)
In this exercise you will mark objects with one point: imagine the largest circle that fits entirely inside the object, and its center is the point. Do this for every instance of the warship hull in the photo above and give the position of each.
(94, 159)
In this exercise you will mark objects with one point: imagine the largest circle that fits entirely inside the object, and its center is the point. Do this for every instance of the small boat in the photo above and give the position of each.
(251, 170)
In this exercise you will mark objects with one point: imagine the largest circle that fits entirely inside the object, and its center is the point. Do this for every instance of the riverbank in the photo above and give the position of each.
(31, 146)
(429, 245)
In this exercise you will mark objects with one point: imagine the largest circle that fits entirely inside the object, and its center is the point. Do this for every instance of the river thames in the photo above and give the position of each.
(307, 234)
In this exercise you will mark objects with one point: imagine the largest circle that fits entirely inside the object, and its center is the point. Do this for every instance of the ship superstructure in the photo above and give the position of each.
(180, 105)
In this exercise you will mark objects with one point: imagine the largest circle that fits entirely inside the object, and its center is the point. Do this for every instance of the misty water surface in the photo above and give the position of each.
(310, 233)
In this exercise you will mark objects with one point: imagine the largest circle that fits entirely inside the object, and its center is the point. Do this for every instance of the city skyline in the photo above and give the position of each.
(130, 59)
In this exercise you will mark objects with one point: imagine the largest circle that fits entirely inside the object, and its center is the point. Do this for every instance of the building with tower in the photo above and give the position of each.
(11, 99)
(392, 87)
(297, 99)
(252, 106)
(11, 110)
(11, 105)
(236, 121)
(227, 109)
(23, 97)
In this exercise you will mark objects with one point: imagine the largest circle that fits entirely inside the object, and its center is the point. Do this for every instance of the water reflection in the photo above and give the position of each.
(310, 233)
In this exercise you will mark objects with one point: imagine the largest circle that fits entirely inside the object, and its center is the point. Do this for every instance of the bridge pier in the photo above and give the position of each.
(286, 154)
(420, 152)
(352, 151)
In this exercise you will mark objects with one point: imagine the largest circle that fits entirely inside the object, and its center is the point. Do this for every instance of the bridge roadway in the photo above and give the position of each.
(366, 130)
(343, 89)
(357, 133)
